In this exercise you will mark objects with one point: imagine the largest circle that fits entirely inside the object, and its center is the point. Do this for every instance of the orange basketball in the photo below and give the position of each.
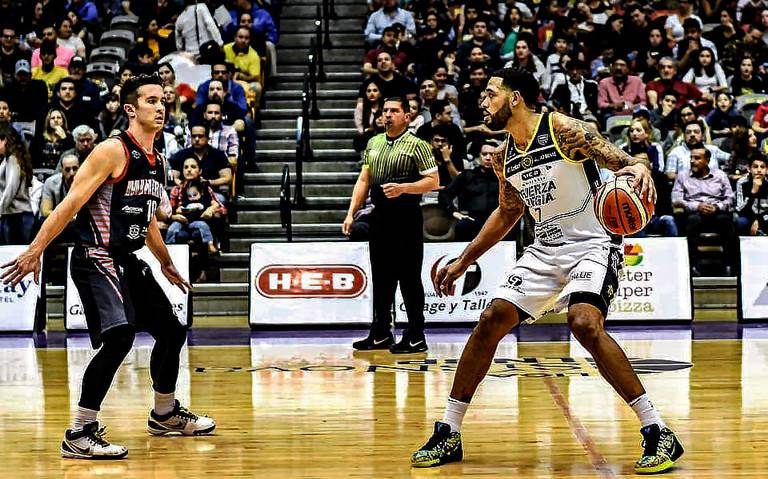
(620, 209)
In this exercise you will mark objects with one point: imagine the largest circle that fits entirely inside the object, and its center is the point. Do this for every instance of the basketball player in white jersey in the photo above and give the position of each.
(549, 163)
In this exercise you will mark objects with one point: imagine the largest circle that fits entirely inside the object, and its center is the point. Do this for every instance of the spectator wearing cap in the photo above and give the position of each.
(386, 16)
(621, 92)
(388, 44)
(194, 27)
(66, 38)
(48, 71)
(668, 81)
(89, 92)
(577, 95)
(10, 52)
(62, 54)
(481, 37)
(246, 61)
(30, 97)
(221, 70)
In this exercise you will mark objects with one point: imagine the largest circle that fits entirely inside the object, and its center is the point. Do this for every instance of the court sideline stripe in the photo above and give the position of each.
(579, 431)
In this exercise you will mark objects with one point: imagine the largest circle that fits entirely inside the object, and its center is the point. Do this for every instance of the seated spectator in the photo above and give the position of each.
(185, 92)
(387, 16)
(686, 114)
(655, 49)
(428, 94)
(725, 32)
(57, 185)
(47, 71)
(706, 74)
(481, 37)
(685, 51)
(679, 158)
(16, 213)
(61, 54)
(265, 34)
(512, 26)
(88, 91)
(365, 111)
(175, 115)
(525, 59)
(214, 165)
(67, 99)
(746, 80)
(760, 121)
(247, 63)
(112, 117)
(674, 23)
(388, 44)
(444, 89)
(751, 45)
(706, 198)
(556, 61)
(417, 120)
(743, 150)
(620, 93)
(668, 81)
(664, 117)
(10, 53)
(469, 98)
(196, 205)
(390, 82)
(220, 136)
(67, 38)
(231, 113)
(234, 93)
(52, 140)
(477, 191)
(6, 115)
(196, 27)
(752, 200)
(577, 95)
(724, 117)
(449, 165)
(85, 142)
(442, 115)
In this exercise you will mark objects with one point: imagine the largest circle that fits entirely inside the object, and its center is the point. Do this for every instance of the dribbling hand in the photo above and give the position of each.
(641, 182)
(445, 278)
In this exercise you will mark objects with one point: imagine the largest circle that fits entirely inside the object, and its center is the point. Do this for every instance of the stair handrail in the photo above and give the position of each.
(303, 144)
(285, 203)
(318, 45)
(327, 22)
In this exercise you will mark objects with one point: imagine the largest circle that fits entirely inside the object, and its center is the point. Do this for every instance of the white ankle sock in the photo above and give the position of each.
(454, 413)
(646, 412)
(83, 417)
(164, 403)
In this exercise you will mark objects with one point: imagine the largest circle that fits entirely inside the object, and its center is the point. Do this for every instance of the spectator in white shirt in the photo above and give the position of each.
(195, 27)
(386, 16)
(679, 158)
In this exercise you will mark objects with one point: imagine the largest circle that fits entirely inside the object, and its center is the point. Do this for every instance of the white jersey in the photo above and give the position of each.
(558, 190)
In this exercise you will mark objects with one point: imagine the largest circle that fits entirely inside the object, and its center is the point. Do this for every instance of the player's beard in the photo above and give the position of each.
(498, 121)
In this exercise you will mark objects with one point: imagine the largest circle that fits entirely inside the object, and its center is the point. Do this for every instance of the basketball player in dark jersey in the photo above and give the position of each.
(550, 165)
(115, 196)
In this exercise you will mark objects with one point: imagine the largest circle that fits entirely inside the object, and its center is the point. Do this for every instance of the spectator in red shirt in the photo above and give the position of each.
(388, 44)
(760, 121)
(668, 81)
(620, 93)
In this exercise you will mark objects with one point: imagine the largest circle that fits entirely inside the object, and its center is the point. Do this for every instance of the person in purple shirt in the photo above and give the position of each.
(706, 198)
(222, 71)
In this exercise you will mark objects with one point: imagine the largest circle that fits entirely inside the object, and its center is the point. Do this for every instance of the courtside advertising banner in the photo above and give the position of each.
(74, 317)
(754, 277)
(656, 283)
(18, 305)
(310, 283)
(473, 292)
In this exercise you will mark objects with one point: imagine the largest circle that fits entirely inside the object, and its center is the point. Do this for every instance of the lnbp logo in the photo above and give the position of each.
(471, 278)
(311, 281)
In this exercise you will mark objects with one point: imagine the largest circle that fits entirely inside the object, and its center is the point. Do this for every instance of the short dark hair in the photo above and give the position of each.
(441, 130)
(389, 29)
(401, 100)
(691, 24)
(670, 92)
(700, 146)
(212, 102)
(129, 93)
(758, 157)
(48, 47)
(523, 81)
(200, 125)
(693, 122)
(438, 107)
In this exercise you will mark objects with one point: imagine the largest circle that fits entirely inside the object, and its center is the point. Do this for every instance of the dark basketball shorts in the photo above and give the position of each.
(547, 277)
(119, 291)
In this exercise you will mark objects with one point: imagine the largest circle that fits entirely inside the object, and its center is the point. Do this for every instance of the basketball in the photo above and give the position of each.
(620, 209)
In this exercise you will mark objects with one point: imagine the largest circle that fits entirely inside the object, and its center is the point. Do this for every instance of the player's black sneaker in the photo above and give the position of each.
(443, 447)
(179, 420)
(90, 443)
(410, 343)
(374, 341)
(660, 450)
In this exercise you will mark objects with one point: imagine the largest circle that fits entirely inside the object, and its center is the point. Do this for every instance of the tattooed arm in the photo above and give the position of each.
(497, 226)
(579, 141)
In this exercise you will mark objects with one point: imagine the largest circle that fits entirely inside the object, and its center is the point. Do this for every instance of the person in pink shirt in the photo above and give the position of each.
(63, 54)
(621, 92)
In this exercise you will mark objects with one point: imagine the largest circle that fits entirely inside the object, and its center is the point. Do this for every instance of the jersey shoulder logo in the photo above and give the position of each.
(135, 155)
(542, 139)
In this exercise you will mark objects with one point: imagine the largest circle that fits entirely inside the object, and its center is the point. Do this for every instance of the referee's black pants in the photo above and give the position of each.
(397, 250)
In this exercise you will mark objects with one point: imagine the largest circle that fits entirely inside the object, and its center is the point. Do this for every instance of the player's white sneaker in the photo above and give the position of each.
(90, 443)
(179, 420)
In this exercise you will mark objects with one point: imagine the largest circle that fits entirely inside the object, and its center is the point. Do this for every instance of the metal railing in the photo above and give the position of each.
(285, 203)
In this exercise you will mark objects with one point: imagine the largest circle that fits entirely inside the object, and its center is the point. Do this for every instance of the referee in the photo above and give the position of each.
(398, 168)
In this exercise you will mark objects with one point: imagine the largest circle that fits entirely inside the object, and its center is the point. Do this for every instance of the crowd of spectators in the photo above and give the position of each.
(58, 99)
(679, 85)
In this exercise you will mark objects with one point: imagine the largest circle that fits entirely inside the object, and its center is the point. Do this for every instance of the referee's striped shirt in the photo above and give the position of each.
(403, 160)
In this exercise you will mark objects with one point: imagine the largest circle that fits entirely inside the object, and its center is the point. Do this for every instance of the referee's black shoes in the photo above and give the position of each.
(375, 341)
(410, 343)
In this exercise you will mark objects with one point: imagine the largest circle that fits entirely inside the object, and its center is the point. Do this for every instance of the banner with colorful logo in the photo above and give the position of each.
(310, 283)
(473, 291)
(753, 281)
(18, 304)
(656, 283)
(74, 317)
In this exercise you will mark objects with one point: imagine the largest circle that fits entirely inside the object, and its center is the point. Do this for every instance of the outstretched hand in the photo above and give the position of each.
(16, 270)
(175, 278)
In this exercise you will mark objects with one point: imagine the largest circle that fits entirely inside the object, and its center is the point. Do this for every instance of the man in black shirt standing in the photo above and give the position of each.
(390, 82)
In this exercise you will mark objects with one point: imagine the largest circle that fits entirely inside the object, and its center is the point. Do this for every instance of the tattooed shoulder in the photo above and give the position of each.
(580, 141)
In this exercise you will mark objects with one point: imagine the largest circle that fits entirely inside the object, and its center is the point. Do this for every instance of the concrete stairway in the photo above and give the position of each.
(330, 177)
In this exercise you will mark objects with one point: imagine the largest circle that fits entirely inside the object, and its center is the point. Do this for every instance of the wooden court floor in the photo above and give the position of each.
(307, 407)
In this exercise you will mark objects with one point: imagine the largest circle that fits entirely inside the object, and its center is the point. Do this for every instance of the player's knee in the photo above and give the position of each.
(587, 328)
(496, 321)
(120, 339)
